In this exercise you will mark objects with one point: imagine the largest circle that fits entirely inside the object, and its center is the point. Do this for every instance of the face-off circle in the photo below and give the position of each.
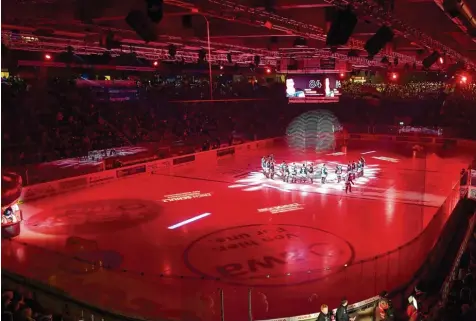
(94, 217)
(268, 255)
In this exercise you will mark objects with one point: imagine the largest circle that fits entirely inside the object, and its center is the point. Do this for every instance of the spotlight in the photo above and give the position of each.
(441, 60)
(394, 76)
(342, 75)
(464, 79)
(155, 63)
(268, 70)
(47, 56)
(221, 67)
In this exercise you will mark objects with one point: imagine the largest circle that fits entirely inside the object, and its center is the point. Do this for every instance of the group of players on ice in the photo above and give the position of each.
(295, 173)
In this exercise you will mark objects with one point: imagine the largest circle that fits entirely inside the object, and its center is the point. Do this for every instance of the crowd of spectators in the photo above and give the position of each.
(16, 307)
(56, 119)
(412, 90)
(52, 119)
(461, 302)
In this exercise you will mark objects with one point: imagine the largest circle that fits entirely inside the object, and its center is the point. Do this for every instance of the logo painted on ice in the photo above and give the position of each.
(92, 217)
(264, 255)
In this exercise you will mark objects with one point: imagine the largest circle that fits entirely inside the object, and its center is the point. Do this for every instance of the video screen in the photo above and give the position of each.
(313, 88)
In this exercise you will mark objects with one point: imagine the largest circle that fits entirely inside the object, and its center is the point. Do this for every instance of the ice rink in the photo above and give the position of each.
(163, 245)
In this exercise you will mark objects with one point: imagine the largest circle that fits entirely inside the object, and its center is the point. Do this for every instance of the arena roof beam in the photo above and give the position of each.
(233, 11)
(465, 11)
(373, 10)
(300, 6)
(29, 42)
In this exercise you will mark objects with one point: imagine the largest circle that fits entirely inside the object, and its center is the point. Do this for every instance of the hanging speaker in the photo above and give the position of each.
(379, 40)
(342, 27)
(451, 7)
(430, 60)
(139, 22)
(155, 10)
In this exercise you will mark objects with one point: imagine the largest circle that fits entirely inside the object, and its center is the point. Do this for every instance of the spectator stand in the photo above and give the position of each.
(26, 300)
(458, 299)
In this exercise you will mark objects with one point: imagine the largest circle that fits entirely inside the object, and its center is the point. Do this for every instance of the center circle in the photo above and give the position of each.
(268, 255)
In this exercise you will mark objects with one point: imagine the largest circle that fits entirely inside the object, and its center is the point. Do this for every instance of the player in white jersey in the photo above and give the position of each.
(323, 173)
(294, 172)
(339, 173)
(310, 172)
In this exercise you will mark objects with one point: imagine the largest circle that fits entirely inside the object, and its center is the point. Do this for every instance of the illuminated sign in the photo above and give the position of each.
(281, 208)
(185, 196)
(311, 87)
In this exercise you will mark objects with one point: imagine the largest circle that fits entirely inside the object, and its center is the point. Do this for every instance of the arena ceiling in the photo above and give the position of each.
(241, 27)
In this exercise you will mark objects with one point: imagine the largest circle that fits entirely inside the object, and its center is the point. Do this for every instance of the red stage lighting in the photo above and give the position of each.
(464, 79)
(394, 76)
(342, 75)
(221, 67)
(268, 70)
(47, 56)
(441, 60)
(155, 63)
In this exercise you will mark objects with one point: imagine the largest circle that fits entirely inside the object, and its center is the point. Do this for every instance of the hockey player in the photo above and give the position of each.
(339, 173)
(349, 168)
(284, 170)
(362, 160)
(362, 165)
(303, 173)
(263, 163)
(359, 168)
(310, 172)
(287, 173)
(348, 183)
(323, 174)
(266, 167)
(294, 172)
(271, 169)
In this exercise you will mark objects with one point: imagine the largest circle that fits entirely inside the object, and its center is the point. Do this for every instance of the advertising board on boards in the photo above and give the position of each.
(158, 166)
(225, 151)
(101, 178)
(72, 184)
(183, 160)
(131, 171)
(39, 191)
